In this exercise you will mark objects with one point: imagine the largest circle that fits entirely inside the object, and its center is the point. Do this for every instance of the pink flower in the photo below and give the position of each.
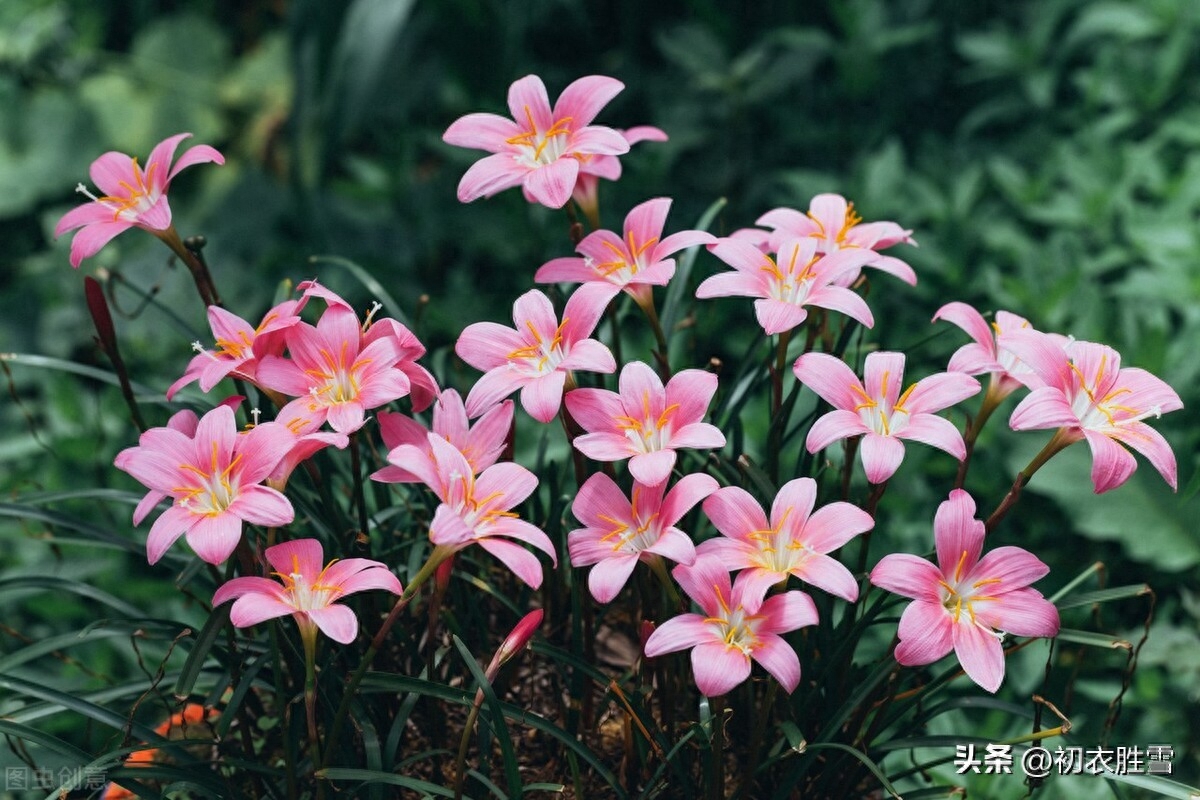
(635, 262)
(835, 225)
(537, 355)
(879, 412)
(795, 542)
(801, 277)
(966, 603)
(240, 346)
(594, 167)
(989, 353)
(307, 441)
(481, 443)
(646, 422)
(132, 197)
(621, 532)
(1087, 395)
(308, 591)
(734, 628)
(422, 385)
(335, 372)
(542, 149)
(212, 473)
(478, 510)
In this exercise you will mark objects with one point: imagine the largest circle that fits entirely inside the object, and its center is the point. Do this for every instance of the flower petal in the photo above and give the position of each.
(583, 99)
(779, 659)
(909, 576)
(1112, 464)
(956, 532)
(490, 175)
(831, 379)
(981, 655)
(609, 576)
(480, 131)
(881, 456)
(718, 668)
(680, 633)
(925, 632)
(335, 621)
(551, 185)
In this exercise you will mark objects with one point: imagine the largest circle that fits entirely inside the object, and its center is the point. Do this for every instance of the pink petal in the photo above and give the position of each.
(719, 668)
(489, 132)
(600, 497)
(283, 375)
(895, 267)
(881, 456)
(647, 220)
(605, 446)
(542, 396)
(361, 575)
(586, 546)
(495, 385)
(908, 575)
(641, 389)
(829, 574)
(262, 505)
(166, 529)
(595, 409)
(158, 165)
(336, 621)
(644, 133)
(675, 545)
(926, 634)
(551, 185)
(940, 391)
(651, 468)
(609, 576)
(704, 581)
(735, 513)
(787, 612)
(730, 284)
(490, 175)
(830, 378)
(934, 431)
(956, 531)
(753, 583)
(883, 375)
(1042, 354)
(789, 221)
(681, 241)
(112, 169)
(1023, 612)
(589, 355)
(86, 214)
(507, 479)
(829, 211)
(1112, 464)
(1044, 407)
(565, 270)
(973, 359)
(93, 237)
(200, 154)
(834, 525)
(397, 429)
(251, 609)
(596, 140)
(698, 436)
(971, 321)
(534, 309)
(583, 311)
(1147, 392)
(981, 655)
(1152, 445)
(1014, 567)
(835, 425)
(776, 316)
(583, 99)
(692, 390)
(261, 449)
(836, 298)
(742, 256)
(242, 586)
(146, 505)
(528, 102)
(680, 633)
(346, 417)
(214, 538)
(685, 494)
(523, 563)
(779, 659)
(793, 504)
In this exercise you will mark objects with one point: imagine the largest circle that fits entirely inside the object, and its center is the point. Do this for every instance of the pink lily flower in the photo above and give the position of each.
(481, 444)
(240, 346)
(989, 352)
(212, 473)
(594, 167)
(423, 388)
(1088, 395)
(632, 263)
(542, 149)
(306, 590)
(877, 410)
(835, 225)
(801, 277)
(734, 628)
(795, 542)
(307, 441)
(966, 603)
(536, 356)
(646, 422)
(620, 532)
(478, 510)
(334, 373)
(132, 197)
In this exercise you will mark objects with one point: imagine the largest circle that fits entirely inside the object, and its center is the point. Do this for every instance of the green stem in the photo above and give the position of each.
(460, 760)
(194, 261)
(438, 555)
(1061, 439)
(309, 636)
(360, 496)
(659, 568)
(991, 401)
(778, 425)
(662, 356)
(716, 786)
(289, 753)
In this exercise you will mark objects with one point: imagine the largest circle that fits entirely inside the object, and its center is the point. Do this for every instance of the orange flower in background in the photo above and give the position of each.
(180, 725)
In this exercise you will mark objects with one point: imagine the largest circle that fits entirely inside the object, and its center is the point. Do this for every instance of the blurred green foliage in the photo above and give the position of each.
(1044, 151)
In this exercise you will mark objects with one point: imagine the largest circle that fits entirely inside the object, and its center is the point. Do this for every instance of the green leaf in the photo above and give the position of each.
(512, 772)
(204, 643)
(1156, 783)
(673, 302)
(1106, 595)
(1092, 639)
(369, 776)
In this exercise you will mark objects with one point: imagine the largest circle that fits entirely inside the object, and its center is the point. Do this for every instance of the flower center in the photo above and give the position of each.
(541, 356)
(648, 433)
(539, 148)
(736, 627)
(626, 260)
(336, 382)
(791, 286)
(1096, 411)
(633, 536)
(876, 413)
(140, 196)
(960, 595)
(216, 488)
(777, 551)
(301, 595)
